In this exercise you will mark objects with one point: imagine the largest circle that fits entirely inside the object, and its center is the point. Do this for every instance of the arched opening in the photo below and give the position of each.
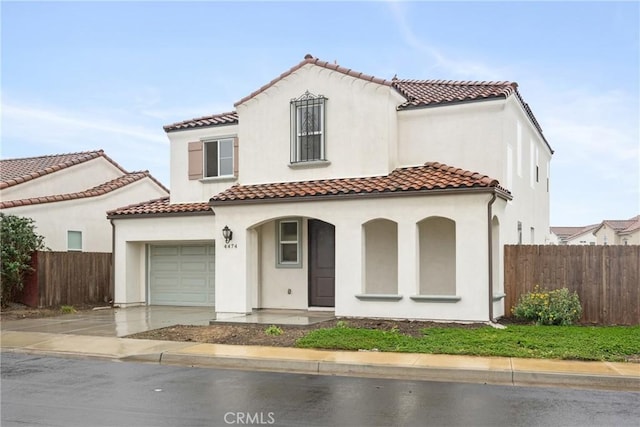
(294, 263)
(380, 257)
(437, 260)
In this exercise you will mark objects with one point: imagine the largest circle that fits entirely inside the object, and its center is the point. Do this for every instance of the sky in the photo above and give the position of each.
(81, 76)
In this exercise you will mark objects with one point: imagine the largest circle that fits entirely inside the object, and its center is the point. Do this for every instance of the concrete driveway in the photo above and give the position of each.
(117, 322)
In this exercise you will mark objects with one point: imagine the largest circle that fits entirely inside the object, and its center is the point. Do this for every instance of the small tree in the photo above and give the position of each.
(18, 241)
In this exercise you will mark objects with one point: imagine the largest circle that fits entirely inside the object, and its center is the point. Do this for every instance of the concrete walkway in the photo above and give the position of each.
(93, 341)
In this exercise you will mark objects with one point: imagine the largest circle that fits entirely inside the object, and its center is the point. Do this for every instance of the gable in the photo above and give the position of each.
(56, 174)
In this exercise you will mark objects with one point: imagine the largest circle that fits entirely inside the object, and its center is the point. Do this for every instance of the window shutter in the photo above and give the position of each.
(235, 157)
(195, 160)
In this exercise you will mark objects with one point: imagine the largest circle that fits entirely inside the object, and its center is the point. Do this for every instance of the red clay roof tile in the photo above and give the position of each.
(17, 171)
(160, 206)
(213, 120)
(99, 190)
(428, 92)
(430, 176)
(418, 93)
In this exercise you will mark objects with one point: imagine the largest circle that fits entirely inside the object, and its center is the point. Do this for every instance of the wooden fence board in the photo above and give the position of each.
(606, 278)
(72, 278)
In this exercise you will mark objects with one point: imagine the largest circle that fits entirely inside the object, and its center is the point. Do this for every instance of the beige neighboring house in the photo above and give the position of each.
(619, 232)
(330, 189)
(68, 195)
(573, 235)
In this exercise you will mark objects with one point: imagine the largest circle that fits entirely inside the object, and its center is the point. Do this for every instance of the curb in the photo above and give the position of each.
(404, 372)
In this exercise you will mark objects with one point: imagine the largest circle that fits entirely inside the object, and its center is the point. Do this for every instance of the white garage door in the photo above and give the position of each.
(182, 275)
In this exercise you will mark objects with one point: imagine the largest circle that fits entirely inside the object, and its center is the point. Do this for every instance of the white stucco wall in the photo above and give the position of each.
(69, 180)
(88, 215)
(586, 238)
(274, 283)
(132, 236)
(360, 128)
(234, 287)
(483, 137)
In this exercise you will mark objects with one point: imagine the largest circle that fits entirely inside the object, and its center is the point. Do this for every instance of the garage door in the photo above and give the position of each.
(182, 275)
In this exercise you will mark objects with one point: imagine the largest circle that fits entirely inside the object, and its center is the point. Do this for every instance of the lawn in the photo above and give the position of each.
(610, 343)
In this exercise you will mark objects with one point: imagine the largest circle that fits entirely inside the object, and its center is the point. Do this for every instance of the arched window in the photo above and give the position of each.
(381, 257)
(437, 256)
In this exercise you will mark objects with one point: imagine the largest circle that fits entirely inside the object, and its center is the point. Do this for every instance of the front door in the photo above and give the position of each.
(322, 264)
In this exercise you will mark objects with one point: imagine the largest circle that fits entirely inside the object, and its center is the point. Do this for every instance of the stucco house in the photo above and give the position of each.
(68, 195)
(329, 189)
(573, 235)
(618, 232)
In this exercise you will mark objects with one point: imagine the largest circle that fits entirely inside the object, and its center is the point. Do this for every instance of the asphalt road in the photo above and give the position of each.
(49, 391)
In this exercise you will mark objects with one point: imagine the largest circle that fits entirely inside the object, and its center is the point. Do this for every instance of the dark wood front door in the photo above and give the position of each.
(322, 264)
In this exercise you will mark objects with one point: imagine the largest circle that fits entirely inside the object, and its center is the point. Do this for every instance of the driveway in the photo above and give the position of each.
(116, 322)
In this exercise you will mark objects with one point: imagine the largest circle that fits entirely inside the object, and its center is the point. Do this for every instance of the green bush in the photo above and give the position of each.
(558, 307)
(273, 331)
(18, 241)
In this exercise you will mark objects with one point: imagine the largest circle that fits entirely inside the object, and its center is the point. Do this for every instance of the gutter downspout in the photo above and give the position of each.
(112, 285)
(490, 252)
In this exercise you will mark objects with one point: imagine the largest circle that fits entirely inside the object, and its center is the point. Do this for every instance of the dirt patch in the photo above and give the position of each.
(254, 334)
(16, 311)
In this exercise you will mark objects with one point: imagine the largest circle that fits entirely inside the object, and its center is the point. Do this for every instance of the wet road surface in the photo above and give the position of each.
(49, 391)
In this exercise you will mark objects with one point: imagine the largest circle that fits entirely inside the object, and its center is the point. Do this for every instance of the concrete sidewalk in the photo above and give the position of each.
(489, 370)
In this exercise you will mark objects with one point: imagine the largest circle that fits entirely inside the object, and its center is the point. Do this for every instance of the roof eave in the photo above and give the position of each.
(358, 196)
(159, 214)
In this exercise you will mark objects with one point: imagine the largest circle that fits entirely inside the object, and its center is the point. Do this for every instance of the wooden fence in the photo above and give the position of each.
(68, 278)
(606, 278)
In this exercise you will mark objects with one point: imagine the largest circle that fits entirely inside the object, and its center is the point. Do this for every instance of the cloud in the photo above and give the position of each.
(129, 138)
(460, 69)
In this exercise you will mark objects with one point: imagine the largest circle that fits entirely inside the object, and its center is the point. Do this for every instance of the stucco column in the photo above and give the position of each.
(232, 293)
(407, 258)
(348, 238)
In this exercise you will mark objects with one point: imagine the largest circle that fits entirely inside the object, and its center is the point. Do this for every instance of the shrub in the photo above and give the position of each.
(67, 309)
(273, 330)
(19, 240)
(557, 307)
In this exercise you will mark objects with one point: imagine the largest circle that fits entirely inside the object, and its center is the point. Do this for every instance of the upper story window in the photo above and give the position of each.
(213, 158)
(218, 158)
(308, 128)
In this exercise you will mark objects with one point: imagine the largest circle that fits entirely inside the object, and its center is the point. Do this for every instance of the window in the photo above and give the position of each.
(211, 158)
(218, 158)
(519, 233)
(288, 241)
(74, 241)
(307, 128)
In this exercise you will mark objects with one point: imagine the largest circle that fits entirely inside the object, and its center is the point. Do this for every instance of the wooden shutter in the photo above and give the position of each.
(196, 160)
(235, 157)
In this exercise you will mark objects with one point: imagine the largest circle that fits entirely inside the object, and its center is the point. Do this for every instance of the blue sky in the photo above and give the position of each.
(80, 76)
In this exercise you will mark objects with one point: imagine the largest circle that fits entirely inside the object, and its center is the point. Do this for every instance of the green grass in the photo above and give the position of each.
(611, 343)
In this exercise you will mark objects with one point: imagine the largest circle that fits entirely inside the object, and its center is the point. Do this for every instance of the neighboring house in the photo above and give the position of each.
(338, 190)
(573, 235)
(619, 232)
(68, 195)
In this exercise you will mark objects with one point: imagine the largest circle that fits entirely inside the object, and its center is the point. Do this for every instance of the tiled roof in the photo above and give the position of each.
(621, 225)
(418, 93)
(17, 171)
(430, 177)
(213, 120)
(99, 190)
(568, 233)
(422, 93)
(429, 92)
(159, 207)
